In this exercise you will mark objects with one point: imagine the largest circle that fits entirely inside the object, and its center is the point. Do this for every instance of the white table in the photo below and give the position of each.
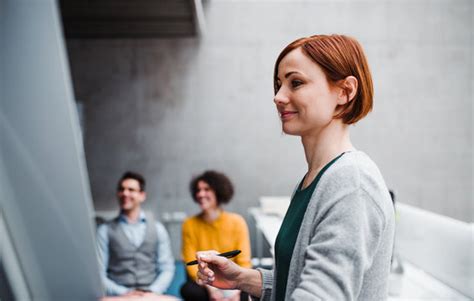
(267, 228)
(413, 285)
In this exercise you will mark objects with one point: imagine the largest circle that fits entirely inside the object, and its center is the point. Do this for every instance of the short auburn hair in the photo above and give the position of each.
(338, 56)
(218, 182)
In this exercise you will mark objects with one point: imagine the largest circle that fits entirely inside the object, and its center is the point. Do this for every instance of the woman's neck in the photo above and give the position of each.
(320, 148)
(211, 215)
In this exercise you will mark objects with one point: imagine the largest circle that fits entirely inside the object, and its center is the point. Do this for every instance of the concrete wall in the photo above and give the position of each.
(172, 108)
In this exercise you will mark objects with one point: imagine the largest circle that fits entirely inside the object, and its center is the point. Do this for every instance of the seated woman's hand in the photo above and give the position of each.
(135, 293)
(217, 271)
(140, 296)
(232, 295)
(215, 294)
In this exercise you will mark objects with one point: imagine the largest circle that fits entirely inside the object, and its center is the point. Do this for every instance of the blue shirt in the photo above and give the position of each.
(136, 233)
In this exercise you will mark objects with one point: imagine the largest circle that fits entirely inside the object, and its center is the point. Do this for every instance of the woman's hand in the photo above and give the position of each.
(232, 295)
(223, 273)
(215, 294)
(217, 271)
(134, 293)
(146, 296)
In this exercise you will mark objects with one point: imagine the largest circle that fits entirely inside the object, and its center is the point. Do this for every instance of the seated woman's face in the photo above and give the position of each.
(205, 196)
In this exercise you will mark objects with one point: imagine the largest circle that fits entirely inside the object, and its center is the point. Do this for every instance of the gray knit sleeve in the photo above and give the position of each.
(267, 283)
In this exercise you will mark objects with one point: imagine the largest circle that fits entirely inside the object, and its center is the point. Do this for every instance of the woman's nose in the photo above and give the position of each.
(280, 97)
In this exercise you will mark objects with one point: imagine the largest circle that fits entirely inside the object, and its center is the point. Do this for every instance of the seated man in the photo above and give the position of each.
(134, 249)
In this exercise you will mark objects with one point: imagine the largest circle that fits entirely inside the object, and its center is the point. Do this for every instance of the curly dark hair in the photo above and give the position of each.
(219, 183)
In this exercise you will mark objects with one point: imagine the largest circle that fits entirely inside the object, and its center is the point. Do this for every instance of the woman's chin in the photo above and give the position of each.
(290, 131)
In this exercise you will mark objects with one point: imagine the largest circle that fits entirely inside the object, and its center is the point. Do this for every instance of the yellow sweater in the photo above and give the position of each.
(228, 232)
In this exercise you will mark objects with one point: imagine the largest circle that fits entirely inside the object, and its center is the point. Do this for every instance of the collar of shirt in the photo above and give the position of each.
(135, 232)
(123, 218)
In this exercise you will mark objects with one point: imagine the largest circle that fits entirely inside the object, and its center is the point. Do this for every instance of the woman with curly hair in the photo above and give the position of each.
(213, 229)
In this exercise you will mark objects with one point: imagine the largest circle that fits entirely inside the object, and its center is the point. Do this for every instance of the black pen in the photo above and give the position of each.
(229, 254)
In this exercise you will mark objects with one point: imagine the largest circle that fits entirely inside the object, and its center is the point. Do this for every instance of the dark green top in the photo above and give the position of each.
(285, 241)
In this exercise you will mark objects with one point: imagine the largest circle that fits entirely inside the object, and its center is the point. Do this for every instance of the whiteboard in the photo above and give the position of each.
(45, 197)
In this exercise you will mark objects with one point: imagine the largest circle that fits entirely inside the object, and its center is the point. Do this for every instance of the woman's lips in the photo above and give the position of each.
(285, 115)
(202, 200)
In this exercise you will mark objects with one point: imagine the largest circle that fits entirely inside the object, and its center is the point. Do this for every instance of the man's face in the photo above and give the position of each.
(129, 195)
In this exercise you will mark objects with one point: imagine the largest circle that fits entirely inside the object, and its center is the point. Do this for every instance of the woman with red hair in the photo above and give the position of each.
(335, 242)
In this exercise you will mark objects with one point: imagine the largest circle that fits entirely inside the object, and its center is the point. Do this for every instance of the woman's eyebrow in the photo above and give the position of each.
(288, 74)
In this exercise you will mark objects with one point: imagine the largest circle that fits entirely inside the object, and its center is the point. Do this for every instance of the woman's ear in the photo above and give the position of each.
(348, 89)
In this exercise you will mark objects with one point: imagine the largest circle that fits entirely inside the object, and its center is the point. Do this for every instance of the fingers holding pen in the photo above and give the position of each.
(205, 274)
(205, 277)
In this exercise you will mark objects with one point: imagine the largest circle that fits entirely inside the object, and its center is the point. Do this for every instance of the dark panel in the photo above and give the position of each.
(127, 19)
(127, 28)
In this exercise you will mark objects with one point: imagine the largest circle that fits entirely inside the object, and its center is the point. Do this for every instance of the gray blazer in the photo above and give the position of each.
(344, 245)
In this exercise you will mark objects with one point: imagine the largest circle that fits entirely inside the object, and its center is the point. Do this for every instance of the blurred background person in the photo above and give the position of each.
(213, 229)
(134, 250)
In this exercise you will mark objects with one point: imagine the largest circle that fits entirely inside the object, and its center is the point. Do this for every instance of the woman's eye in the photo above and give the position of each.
(295, 83)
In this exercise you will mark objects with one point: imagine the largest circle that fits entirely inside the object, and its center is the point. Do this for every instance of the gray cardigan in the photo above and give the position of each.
(344, 245)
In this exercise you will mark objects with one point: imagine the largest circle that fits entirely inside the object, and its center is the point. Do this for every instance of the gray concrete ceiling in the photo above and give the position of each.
(131, 18)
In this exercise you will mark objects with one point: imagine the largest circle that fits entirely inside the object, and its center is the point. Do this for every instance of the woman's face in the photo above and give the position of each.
(205, 196)
(305, 100)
